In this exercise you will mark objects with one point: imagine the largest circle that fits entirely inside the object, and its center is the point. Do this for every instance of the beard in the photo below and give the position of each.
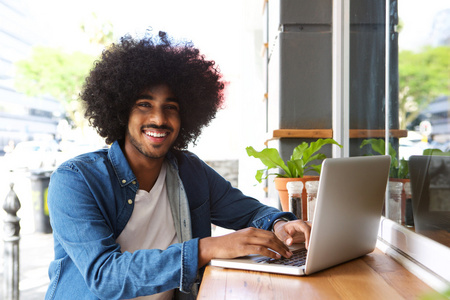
(141, 149)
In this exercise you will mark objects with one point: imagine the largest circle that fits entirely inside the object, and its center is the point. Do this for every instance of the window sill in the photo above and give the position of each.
(424, 257)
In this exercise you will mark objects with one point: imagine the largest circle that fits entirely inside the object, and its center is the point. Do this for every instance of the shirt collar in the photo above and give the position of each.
(121, 167)
(170, 157)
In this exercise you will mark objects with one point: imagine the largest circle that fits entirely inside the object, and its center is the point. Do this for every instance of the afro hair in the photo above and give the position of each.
(131, 66)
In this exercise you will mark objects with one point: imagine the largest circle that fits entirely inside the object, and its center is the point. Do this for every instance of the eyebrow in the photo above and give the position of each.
(150, 97)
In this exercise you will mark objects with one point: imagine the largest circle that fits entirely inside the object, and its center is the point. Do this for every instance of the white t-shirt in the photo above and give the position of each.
(151, 210)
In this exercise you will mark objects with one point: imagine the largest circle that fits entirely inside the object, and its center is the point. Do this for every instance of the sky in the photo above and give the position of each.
(418, 16)
(204, 21)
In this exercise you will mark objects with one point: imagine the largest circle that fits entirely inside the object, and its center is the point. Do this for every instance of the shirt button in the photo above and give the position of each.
(123, 181)
(130, 201)
(134, 182)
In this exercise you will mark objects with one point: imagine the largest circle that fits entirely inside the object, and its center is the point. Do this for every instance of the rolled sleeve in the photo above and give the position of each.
(189, 264)
(266, 221)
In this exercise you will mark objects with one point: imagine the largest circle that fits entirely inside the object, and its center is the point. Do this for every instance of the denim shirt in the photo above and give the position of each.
(91, 198)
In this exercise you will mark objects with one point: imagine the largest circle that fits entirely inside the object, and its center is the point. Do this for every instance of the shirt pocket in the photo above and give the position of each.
(201, 220)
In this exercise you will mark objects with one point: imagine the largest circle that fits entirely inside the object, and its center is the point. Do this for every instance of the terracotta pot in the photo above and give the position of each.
(280, 185)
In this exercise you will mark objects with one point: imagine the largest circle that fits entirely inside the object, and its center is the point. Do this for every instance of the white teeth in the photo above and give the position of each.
(156, 134)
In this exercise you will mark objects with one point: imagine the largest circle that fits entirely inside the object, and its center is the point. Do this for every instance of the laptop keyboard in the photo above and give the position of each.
(297, 259)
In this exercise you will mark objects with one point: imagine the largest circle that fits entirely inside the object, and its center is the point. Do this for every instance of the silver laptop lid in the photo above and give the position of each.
(348, 211)
(346, 219)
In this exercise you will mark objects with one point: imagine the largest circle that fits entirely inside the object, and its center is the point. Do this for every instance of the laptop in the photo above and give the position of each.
(345, 226)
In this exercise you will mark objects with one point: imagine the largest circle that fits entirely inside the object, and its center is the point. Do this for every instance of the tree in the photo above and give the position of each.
(54, 72)
(423, 76)
(99, 32)
(60, 73)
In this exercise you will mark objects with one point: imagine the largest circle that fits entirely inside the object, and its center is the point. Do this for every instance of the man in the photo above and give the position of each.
(135, 219)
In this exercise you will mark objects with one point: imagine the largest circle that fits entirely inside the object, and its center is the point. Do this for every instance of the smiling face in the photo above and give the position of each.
(153, 125)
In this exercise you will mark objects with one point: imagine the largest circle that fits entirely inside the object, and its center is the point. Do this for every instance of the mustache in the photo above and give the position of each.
(160, 127)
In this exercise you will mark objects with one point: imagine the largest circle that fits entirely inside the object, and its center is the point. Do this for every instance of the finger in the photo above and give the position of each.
(267, 239)
(306, 229)
(282, 249)
(272, 243)
(307, 234)
(272, 253)
(284, 236)
(300, 230)
(267, 252)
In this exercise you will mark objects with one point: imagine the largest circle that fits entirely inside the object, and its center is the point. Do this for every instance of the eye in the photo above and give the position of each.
(172, 107)
(143, 104)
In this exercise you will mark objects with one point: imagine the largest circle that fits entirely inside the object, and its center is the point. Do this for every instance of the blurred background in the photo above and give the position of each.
(47, 47)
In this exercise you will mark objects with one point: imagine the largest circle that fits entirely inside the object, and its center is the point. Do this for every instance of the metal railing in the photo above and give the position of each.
(11, 238)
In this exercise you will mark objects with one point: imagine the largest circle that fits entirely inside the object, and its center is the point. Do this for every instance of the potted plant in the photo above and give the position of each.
(398, 177)
(399, 169)
(300, 162)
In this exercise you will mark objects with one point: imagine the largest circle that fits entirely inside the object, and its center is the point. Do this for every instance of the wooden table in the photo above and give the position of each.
(373, 276)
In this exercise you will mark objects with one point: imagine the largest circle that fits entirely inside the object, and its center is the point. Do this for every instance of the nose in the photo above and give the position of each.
(158, 116)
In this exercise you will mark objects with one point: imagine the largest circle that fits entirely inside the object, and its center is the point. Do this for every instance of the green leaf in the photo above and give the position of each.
(259, 175)
(300, 160)
(393, 155)
(296, 168)
(269, 157)
(393, 172)
(317, 145)
(298, 151)
(379, 146)
(318, 156)
(438, 152)
(316, 168)
(403, 169)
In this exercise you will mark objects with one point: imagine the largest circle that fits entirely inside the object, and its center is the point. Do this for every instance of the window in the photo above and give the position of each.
(335, 64)
(411, 99)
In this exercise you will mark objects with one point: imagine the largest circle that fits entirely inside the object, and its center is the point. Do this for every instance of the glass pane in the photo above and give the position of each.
(367, 78)
(423, 101)
(418, 106)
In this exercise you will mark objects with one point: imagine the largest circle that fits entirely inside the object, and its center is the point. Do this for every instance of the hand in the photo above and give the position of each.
(293, 232)
(240, 243)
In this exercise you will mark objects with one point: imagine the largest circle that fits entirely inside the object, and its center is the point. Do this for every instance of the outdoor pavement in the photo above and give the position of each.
(36, 252)
(36, 249)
